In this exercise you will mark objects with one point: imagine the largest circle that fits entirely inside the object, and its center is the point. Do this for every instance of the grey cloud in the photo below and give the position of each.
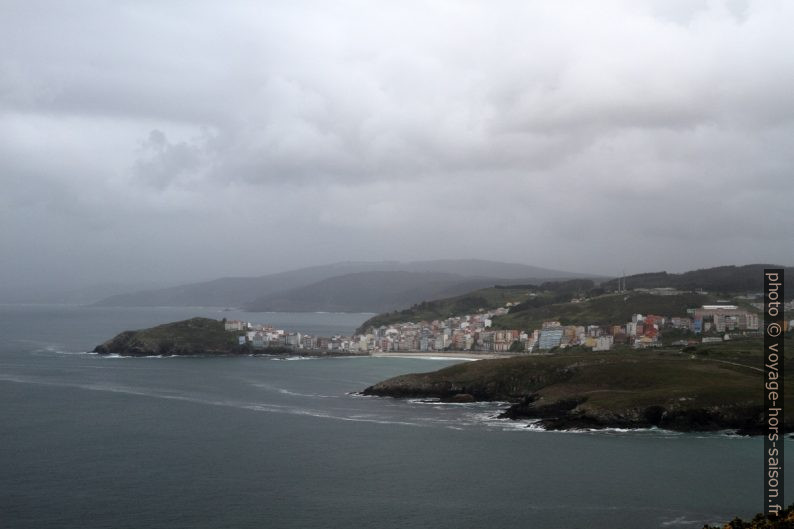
(161, 163)
(531, 132)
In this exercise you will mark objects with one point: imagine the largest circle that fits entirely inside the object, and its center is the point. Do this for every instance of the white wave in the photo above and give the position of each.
(461, 359)
(369, 418)
(284, 391)
(722, 434)
(147, 357)
(509, 425)
(16, 378)
(161, 394)
(682, 521)
(648, 432)
(425, 357)
(324, 415)
(296, 394)
(476, 404)
(359, 395)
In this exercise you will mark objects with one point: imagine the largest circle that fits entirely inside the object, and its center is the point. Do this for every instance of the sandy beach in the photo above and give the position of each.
(463, 355)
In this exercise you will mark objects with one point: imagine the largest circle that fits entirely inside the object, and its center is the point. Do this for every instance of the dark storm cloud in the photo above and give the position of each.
(185, 139)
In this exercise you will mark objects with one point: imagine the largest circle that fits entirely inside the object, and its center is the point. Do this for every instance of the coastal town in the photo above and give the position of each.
(475, 333)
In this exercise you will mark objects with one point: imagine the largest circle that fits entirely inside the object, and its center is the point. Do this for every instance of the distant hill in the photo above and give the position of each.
(730, 279)
(228, 291)
(261, 291)
(550, 300)
(368, 292)
(37, 293)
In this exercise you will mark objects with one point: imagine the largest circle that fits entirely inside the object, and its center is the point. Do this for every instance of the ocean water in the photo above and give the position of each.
(95, 442)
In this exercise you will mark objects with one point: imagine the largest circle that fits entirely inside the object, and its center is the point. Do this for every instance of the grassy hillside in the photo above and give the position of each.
(721, 279)
(607, 309)
(485, 298)
(526, 294)
(193, 336)
(700, 389)
(552, 300)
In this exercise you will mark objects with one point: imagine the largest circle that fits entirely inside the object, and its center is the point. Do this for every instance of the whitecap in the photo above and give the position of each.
(296, 394)
(682, 521)
(426, 357)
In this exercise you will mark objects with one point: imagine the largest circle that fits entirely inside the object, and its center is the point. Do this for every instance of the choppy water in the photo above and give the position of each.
(88, 441)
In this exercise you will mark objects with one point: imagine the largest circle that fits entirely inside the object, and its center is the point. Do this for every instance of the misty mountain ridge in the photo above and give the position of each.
(379, 291)
(744, 278)
(82, 295)
(437, 277)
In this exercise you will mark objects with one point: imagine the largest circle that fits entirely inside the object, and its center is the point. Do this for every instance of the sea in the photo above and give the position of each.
(88, 441)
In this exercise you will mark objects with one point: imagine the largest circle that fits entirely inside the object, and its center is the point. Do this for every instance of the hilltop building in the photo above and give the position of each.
(724, 317)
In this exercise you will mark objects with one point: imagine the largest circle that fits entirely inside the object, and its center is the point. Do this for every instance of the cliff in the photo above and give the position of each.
(784, 520)
(628, 389)
(196, 336)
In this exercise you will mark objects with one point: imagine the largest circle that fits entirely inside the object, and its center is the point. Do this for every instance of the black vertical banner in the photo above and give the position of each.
(773, 390)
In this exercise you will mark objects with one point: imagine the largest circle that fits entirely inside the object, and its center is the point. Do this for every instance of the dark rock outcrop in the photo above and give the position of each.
(196, 336)
(607, 390)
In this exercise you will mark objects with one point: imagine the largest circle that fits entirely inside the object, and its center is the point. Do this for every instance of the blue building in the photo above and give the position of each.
(550, 337)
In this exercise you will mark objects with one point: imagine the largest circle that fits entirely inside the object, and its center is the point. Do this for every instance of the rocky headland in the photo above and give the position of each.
(193, 337)
(196, 336)
(641, 389)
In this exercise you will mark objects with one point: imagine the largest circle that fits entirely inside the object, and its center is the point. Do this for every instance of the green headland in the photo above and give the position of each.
(706, 387)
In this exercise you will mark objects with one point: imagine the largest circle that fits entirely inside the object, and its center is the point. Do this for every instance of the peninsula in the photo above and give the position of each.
(700, 388)
(195, 337)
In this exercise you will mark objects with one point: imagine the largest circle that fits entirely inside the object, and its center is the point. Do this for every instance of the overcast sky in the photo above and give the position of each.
(174, 141)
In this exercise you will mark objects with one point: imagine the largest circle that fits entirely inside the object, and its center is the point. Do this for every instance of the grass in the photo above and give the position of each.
(471, 303)
(195, 331)
(193, 336)
(608, 309)
(616, 383)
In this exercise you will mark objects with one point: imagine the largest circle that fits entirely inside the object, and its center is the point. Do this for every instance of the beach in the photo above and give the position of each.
(443, 355)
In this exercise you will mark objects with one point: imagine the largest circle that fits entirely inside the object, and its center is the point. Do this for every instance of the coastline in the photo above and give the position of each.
(573, 391)
(451, 355)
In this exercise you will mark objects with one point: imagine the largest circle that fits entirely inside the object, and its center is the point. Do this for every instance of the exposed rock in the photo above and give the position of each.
(196, 336)
(783, 520)
(461, 398)
(629, 390)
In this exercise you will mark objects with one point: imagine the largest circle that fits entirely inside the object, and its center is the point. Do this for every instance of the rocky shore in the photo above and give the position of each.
(635, 390)
(193, 337)
(196, 336)
(783, 520)
(567, 415)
